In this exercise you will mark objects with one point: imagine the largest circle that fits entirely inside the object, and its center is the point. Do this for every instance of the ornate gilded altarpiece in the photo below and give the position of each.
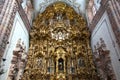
(59, 46)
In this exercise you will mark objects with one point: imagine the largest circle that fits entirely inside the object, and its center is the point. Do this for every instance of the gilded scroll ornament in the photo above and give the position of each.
(60, 44)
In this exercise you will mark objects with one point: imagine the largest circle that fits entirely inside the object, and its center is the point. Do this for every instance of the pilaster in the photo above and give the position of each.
(6, 21)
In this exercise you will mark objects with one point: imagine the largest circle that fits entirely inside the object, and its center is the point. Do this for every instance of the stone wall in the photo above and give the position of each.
(14, 24)
(105, 24)
(7, 15)
(112, 8)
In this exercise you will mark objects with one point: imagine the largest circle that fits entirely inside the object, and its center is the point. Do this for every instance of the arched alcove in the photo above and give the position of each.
(60, 64)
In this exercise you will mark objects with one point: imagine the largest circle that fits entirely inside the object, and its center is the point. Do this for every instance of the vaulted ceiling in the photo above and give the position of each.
(78, 5)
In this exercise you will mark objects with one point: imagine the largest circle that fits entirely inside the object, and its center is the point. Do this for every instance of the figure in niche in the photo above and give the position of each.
(81, 62)
(59, 16)
(72, 70)
(60, 64)
(39, 61)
